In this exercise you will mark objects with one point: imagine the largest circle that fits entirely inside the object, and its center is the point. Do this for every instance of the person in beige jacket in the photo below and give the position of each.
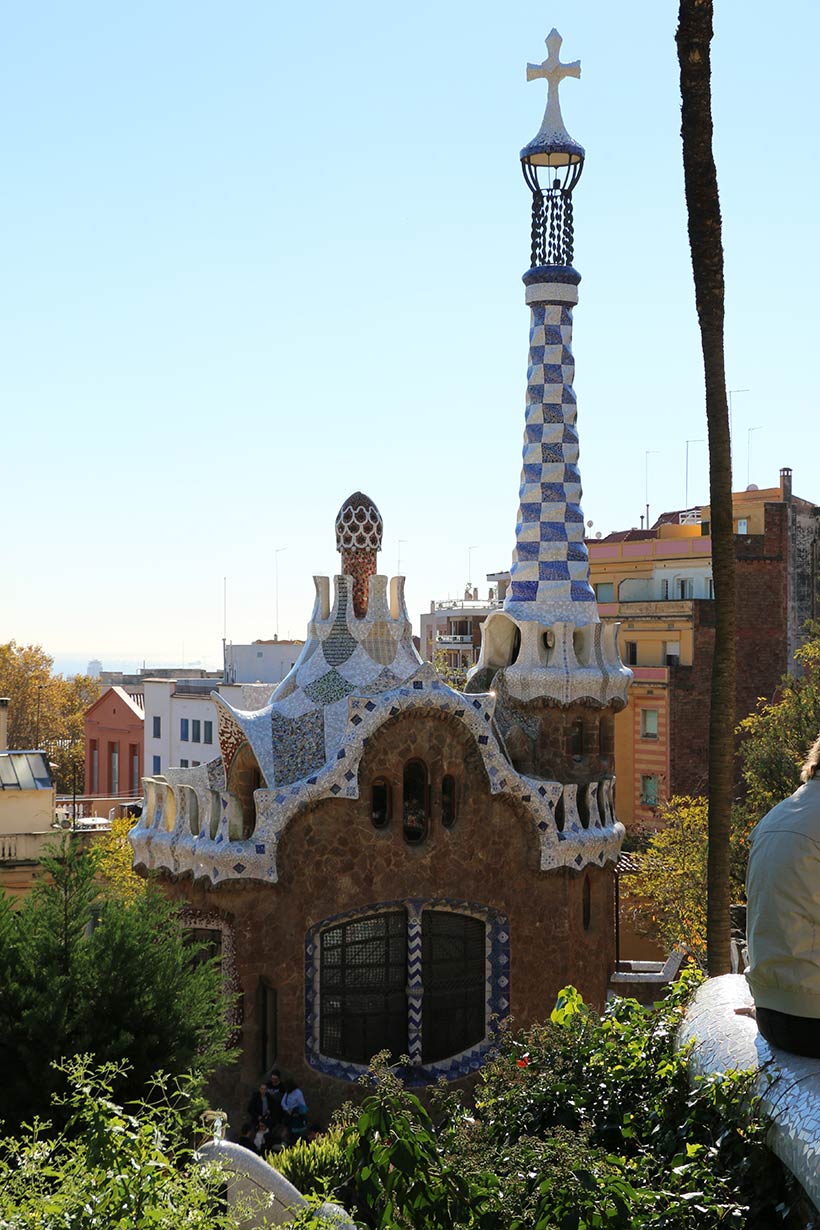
(783, 917)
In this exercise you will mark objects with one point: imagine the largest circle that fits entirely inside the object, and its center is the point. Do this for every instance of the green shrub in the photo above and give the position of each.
(115, 1168)
(316, 1167)
(585, 1121)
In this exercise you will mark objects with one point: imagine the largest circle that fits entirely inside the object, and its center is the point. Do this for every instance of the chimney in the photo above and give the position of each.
(786, 484)
(4, 723)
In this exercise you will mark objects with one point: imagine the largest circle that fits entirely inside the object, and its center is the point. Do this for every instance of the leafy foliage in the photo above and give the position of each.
(46, 711)
(454, 676)
(84, 973)
(582, 1122)
(116, 862)
(668, 898)
(123, 1169)
(317, 1166)
(779, 734)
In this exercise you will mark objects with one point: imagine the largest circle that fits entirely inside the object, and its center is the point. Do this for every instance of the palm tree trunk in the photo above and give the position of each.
(703, 207)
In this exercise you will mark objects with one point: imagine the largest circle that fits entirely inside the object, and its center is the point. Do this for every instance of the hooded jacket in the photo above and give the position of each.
(783, 912)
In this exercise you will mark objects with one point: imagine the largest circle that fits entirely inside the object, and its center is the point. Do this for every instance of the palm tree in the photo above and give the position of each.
(693, 38)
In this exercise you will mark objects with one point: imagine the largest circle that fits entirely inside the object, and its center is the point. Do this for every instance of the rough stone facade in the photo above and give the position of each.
(332, 859)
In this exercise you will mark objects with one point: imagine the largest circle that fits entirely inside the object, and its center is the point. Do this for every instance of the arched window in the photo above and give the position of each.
(448, 800)
(587, 903)
(363, 987)
(412, 978)
(582, 799)
(415, 801)
(244, 778)
(381, 803)
(576, 738)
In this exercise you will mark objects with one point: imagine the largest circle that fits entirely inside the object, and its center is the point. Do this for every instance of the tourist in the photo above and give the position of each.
(783, 917)
(261, 1105)
(261, 1138)
(294, 1110)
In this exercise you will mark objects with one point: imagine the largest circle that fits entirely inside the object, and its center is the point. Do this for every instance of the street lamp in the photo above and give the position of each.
(470, 566)
(276, 555)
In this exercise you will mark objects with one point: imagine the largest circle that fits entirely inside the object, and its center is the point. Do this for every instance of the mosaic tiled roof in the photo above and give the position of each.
(359, 525)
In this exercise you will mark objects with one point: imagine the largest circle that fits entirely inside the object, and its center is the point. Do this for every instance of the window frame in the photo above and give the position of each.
(644, 792)
(196, 730)
(184, 730)
(157, 726)
(645, 724)
(496, 1004)
(207, 731)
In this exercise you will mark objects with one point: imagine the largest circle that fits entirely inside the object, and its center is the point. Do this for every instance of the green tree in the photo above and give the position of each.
(82, 973)
(46, 711)
(694, 37)
(454, 676)
(779, 733)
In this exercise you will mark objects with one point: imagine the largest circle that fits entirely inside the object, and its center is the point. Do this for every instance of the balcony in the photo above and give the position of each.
(452, 638)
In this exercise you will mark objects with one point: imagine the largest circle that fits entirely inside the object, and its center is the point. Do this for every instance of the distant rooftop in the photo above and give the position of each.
(24, 771)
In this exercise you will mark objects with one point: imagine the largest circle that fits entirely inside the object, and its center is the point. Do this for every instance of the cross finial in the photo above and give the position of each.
(552, 126)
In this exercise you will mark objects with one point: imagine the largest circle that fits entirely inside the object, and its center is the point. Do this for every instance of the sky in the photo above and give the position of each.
(258, 256)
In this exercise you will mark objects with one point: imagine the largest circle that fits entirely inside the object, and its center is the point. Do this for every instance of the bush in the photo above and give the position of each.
(584, 1121)
(113, 1167)
(317, 1167)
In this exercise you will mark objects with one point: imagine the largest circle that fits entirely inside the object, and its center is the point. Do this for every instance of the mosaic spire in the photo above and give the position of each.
(549, 577)
(548, 639)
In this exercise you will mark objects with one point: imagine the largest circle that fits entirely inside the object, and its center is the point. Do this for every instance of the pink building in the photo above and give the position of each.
(113, 744)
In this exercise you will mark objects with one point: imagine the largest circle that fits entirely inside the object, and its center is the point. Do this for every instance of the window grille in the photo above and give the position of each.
(454, 976)
(363, 999)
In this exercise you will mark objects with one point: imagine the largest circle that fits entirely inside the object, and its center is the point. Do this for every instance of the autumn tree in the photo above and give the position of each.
(116, 862)
(667, 900)
(46, 710)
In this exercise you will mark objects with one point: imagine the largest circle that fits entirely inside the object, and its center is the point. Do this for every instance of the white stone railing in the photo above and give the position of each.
(788, 1085)
(263, 1196)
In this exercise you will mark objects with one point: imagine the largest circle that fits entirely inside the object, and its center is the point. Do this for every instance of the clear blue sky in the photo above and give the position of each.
(256, 256)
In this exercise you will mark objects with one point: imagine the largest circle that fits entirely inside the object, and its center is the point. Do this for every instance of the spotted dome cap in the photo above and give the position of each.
(359, 525)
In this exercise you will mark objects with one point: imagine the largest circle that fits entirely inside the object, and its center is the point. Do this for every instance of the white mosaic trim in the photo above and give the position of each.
(578, 664)
(164, 837)
(789, 1085)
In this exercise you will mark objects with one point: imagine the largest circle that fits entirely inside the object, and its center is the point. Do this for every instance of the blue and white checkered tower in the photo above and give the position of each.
(548, 638)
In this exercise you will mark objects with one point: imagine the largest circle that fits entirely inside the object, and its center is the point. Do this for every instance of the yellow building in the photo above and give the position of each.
(658, 584)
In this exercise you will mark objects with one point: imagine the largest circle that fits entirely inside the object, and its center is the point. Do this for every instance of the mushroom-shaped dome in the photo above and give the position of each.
(359, 525)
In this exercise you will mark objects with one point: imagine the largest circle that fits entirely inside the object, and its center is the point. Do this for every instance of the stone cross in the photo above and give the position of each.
(554, 71)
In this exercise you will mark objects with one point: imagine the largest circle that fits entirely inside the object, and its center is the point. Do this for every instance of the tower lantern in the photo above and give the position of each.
(561, 159)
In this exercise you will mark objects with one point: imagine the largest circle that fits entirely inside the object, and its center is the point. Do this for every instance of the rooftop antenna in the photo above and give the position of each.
(749, 451)
(647, 454)
(686, 495)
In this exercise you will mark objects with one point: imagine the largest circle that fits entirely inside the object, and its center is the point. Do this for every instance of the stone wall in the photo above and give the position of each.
(332, 859)
(762, 586)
